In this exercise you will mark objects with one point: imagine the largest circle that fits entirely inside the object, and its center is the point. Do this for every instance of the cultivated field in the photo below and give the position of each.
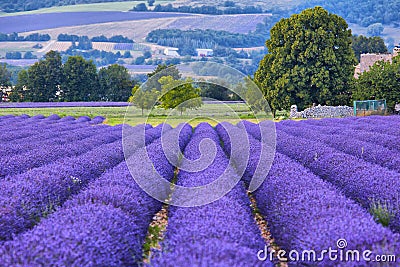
(110, 6)
(285, 4)
(136, 29)
(139, 29)
(332, 183)
(231, 23)
(36, 22)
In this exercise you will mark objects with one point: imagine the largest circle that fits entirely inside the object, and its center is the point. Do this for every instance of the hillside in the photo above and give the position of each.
(360, 12)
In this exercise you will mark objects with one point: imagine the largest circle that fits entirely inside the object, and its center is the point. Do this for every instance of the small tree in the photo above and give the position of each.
(254, 97)
(144, 99)
(179, 94)
(151, 2)
(140, 7)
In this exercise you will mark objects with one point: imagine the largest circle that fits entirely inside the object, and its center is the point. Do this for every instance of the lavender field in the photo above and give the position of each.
(35, 22)
(69, 196)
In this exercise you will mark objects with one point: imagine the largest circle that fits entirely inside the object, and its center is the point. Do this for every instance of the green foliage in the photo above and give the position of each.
(144, 99)
(310, 61)
(363, 45)
(18, 94)
(382, 212)
(179, 94)
(211, 10)
(140, 7)
(81, 80)
(13, 55)
(161, 71)
(254, 97)
(14, 37)
(76, 80)
(139, 60)
(382, 81)
(214, 91)
(29, 55)
(115, 83)
(43, 79)
(188, 40)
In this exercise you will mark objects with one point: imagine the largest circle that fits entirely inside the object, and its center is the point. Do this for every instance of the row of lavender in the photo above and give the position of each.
(56, 171)
(40, 225)
(63, 104)
(112, 213)
(304, 211)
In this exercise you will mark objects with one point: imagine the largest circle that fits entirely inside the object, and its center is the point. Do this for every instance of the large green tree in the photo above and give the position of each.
(81, 80)
(310, 60)
(45, 78)
(382, 81)
(115, 83)
(5, 80)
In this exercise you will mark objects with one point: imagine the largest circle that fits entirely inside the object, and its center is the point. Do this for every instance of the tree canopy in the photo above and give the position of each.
(310, 60)
(161, 71)
(180, 94)
(382, 81)
(75, 80)
(363, 45)
(115, 83)
(144, 99)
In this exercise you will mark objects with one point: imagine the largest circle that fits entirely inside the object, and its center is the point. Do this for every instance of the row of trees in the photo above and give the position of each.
(75, 80)
(187, 41)
(63, 37)
(18, 55)
(204, 9)
(14, 37)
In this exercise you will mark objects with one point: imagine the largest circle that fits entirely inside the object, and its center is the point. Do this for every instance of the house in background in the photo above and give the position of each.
(171, 51)
(368, 60)
(201, 52)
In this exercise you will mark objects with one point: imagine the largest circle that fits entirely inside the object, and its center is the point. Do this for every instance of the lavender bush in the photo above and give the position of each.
(127, 210)
(222, 233)
(29, 196)
(313, 213)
